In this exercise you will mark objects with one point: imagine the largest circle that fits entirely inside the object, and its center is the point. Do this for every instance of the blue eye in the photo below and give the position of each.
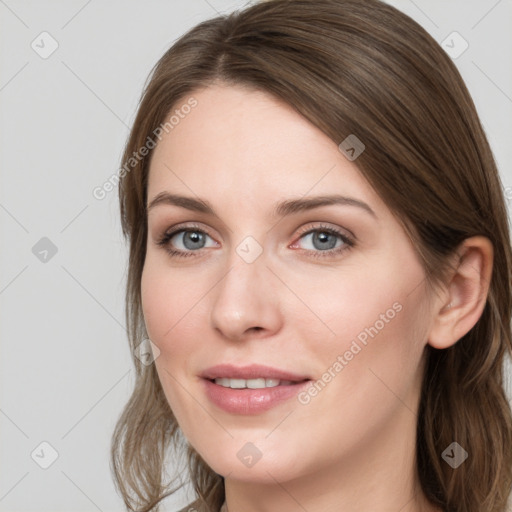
(324, 239)
(192, 240)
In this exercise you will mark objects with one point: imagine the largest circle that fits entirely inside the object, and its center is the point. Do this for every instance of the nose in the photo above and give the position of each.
(246, 301)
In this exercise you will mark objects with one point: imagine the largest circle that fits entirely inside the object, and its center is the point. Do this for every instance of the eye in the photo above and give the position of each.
(187, 241)
(326, 241)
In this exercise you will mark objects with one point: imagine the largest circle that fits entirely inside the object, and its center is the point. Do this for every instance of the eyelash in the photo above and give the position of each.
(349, 243)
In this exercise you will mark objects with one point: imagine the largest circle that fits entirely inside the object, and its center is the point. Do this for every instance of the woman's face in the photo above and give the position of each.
(333, 293)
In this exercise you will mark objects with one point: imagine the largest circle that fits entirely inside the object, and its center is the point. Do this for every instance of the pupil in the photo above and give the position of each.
(194, 237)
(323, 238)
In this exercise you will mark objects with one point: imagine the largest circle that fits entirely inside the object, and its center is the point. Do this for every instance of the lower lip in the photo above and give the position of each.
(250, 401)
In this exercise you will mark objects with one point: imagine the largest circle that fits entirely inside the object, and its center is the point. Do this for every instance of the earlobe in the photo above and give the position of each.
(465, 293)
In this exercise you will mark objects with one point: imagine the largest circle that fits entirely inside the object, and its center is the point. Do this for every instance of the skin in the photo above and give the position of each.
(351, 447)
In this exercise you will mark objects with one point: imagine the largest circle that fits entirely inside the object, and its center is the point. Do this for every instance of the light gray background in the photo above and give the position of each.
(65, 367)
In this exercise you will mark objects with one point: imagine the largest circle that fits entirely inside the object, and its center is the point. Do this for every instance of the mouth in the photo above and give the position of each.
(250, 389)
(257, 383)
(254, 376)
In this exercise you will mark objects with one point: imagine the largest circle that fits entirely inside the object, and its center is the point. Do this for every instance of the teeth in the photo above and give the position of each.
(251, 383)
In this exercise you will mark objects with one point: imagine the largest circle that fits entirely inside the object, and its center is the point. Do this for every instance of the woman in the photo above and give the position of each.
(320, 258)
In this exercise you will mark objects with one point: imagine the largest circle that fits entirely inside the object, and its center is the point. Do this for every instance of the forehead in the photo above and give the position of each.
(244, 145)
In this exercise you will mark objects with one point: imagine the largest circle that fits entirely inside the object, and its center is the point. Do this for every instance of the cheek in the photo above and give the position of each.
(173, 304)
(169, 302)
(166, 297)
(372, 321)
(342, 307)
(156, 301)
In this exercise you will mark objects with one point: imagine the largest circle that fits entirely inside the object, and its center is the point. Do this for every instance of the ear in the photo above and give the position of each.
(463, 297)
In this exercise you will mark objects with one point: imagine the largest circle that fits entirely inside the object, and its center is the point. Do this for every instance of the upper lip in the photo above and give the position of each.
(252, 371)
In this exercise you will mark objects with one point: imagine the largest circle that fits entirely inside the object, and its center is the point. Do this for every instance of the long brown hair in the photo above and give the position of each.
(350, 67)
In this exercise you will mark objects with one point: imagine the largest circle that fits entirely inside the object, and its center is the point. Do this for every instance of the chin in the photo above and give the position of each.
(243, 462)
(260, 473)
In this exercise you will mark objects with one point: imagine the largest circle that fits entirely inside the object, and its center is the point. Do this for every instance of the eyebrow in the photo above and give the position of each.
(281, 209)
